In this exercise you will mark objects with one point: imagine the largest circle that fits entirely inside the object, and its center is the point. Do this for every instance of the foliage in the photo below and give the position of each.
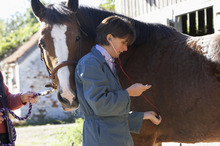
(16, 31)
(73, 135)
(109, 5)
(2, 27)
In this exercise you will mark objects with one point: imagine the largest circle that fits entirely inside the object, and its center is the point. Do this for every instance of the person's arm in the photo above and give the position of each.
(16, 101)
(13, 100)
(135, 120)
(97, 92)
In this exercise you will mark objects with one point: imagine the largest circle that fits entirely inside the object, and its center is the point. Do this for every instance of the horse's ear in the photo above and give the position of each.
(72, 4)
(37, 8)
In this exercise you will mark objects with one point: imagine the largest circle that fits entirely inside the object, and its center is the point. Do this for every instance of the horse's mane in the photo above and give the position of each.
(57, 14)
(90, 18)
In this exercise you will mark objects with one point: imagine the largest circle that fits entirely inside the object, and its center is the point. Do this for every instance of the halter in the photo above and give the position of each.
(54, 71)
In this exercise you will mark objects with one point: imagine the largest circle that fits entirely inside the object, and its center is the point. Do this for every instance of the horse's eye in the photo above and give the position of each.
(77, 38)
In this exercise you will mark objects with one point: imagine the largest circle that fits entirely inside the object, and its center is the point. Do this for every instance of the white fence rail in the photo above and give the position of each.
(197, 144)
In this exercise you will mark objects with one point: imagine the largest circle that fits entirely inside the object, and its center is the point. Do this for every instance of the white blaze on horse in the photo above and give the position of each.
(184, 71)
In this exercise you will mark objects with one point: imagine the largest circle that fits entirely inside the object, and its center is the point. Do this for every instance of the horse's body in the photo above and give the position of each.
(183, 71)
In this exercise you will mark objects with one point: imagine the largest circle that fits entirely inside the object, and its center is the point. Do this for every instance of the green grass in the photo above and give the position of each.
(73, 135)
(51, 135)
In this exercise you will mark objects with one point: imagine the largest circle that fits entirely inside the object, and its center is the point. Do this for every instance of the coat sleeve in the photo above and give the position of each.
(13, 100)
(97, 92)
(135, 120)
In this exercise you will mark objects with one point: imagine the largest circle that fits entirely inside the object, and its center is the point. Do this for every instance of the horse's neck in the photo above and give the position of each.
(86, 44)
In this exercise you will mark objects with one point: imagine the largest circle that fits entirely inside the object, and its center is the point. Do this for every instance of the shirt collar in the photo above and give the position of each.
(107, 56)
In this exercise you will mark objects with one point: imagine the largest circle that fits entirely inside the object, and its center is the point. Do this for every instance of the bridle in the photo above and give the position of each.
(55, 69)
(52, 72)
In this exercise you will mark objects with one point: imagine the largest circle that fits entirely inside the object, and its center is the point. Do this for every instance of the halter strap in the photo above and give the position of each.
(62, 64)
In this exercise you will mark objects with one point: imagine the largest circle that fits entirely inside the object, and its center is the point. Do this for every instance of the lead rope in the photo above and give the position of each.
(118, 61)
(21, 119)
(10, 122)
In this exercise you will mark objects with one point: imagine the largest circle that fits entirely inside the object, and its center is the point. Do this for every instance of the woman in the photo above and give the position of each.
(12, 102)
(103, 102)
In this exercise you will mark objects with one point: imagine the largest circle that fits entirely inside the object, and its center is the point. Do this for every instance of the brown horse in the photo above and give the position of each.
(184, 71)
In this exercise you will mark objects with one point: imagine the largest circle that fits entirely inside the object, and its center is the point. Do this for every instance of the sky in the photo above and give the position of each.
(10, 7)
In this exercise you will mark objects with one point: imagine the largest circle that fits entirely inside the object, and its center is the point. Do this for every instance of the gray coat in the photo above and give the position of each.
(104, 104)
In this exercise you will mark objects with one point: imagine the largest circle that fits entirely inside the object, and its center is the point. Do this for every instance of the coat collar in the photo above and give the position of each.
(98, 54)
(101, 58)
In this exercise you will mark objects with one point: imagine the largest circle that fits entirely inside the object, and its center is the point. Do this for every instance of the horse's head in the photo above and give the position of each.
(60, 47)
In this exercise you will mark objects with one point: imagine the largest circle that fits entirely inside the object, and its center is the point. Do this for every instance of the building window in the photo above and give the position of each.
(198, 23)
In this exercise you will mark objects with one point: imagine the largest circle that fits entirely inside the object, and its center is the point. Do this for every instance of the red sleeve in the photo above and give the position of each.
(13, 100)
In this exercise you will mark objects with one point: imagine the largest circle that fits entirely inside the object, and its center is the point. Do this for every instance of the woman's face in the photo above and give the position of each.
(118, 46)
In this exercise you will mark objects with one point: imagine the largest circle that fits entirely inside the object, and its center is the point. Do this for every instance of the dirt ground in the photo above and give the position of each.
(38, 135)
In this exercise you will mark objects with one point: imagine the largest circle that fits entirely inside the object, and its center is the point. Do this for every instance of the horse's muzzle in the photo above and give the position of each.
(66, 105)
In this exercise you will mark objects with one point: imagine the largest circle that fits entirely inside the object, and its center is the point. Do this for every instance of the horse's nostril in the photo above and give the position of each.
(66, 104)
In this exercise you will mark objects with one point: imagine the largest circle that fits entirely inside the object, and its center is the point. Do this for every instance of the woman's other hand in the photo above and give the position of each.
(151, 115)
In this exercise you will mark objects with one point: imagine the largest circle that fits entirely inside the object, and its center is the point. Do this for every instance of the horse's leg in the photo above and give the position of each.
(158, 144)
(144, 140)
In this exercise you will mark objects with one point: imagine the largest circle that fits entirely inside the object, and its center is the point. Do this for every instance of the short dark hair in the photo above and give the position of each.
(117, 26)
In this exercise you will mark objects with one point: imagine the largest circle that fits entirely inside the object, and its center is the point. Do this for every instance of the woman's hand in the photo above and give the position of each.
(151, 115)
(1, 118)
(29, 97)
(137, 89)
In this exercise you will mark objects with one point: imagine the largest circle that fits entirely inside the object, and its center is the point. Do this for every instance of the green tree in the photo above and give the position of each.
(19, 29)
(109, 5)
(2, 27)
(15, 22)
